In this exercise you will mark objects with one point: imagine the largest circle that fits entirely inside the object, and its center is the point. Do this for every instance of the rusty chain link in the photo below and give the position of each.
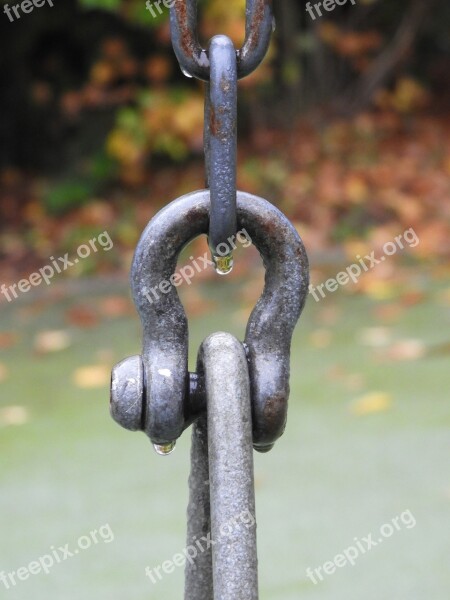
(194, 60)
(221, 147)
(220, 66)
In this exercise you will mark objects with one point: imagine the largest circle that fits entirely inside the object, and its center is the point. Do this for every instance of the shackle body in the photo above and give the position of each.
(170, 402)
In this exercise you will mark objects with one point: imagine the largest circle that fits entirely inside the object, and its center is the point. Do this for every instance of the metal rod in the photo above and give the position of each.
(198, 571)
(232, 494)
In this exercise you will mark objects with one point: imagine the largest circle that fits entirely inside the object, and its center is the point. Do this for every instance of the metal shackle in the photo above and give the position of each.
(154, 392)
(194, 60)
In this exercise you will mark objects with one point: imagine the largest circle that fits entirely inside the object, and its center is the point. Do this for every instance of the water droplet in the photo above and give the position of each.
(274, 24)
(186, 73)
(164, 449)
(224, 264)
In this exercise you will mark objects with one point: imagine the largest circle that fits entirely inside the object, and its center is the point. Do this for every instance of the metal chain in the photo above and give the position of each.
(238, 396)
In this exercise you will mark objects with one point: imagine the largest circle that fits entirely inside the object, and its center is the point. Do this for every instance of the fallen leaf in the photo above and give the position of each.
(7, 339)
(114, 307)
(406, 350)
(96, 213)
(240, 317)
(82, 316)
(106, 356)
(356, 189)
(52, 341)
(439, 349)
(195, 304)
(375, 337)
(391, 311)
(94, 376)
(378, 289)
(329, 315)
(443, 297)
(412, 298)
(13, 415)
(372, 402)
(355, 382)
(336, 372)
(321, 338)
(356, 247)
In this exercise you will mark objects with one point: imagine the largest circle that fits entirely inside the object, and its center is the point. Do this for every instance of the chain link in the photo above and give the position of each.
(194, 60)
(221, 66)
(220, 149)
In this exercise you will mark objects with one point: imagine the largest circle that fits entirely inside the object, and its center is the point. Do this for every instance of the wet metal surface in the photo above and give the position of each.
(171, 397)
(194, 59)
(237, 399)
(220, 141)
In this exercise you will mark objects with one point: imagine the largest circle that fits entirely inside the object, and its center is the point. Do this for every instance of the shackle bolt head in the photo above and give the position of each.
(128, 393)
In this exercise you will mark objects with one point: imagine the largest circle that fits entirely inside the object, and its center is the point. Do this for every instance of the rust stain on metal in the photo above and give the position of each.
(257, 19)
(195, 215)
(275, 408)
(215, 124)
(270, 227)
(185, 32)
(225, 84)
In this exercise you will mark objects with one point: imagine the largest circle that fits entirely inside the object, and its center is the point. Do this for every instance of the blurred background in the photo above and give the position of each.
(346, 128)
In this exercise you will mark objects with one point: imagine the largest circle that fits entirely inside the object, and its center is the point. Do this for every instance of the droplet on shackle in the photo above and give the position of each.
(274, 24)
(223, 264)
(186, 73)
(164, 449)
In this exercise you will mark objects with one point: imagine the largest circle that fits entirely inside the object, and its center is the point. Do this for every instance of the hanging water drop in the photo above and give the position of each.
(186, 73)
(223, 264)
(274, 24)
(164, 449)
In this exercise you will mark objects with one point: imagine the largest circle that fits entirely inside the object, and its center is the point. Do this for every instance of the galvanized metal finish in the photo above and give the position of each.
(169, 398)
(221, 142)
(229, 525)
(194, 60)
